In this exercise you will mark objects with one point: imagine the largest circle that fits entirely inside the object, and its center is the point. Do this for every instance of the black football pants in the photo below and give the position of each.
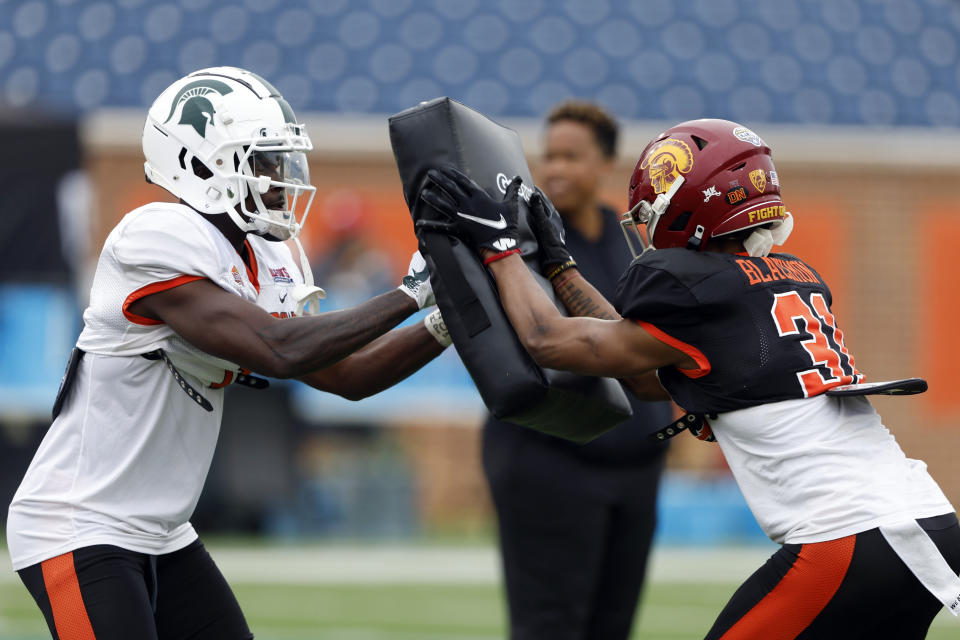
(574, 540)
(104, 592)
(854, 588)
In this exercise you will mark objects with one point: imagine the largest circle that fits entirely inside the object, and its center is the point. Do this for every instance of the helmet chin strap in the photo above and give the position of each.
(243, 225)
(276, 229)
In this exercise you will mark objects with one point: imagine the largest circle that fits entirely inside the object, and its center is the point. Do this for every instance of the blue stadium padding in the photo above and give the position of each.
(852, 62)
(697, 510)
(39, 325)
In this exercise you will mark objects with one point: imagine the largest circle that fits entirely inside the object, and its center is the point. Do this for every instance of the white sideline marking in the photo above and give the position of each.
(398, 564)
(471, 565)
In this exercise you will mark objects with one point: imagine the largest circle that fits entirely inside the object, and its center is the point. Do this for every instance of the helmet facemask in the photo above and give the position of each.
(648, 215)
(273, 190)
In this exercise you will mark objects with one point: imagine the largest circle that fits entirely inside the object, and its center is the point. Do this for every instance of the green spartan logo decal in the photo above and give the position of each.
(197, 111)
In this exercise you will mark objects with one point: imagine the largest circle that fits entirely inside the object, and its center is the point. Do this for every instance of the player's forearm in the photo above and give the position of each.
(379, 365)
(581, 298)
(646, 387)
(532, 314)
(301, 345)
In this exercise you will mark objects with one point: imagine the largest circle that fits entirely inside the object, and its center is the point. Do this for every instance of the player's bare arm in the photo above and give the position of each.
(224, 325)
(617, 348)
(379, 365)
(581, 298)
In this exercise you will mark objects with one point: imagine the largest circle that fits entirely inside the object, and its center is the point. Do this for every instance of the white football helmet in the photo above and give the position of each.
(224, 140)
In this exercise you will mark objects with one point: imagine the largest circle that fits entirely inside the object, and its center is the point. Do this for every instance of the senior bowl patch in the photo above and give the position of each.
(742, 133)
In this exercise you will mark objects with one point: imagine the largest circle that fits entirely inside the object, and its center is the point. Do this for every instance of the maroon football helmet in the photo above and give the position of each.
(702, 179)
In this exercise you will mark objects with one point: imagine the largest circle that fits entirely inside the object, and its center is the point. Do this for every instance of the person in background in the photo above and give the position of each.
(576, 521)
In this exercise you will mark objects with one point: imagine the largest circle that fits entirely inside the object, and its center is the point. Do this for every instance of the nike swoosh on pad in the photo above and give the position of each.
(496, 224)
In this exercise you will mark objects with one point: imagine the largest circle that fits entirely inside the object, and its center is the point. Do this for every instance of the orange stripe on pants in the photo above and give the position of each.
(63, 590)
(800, 596)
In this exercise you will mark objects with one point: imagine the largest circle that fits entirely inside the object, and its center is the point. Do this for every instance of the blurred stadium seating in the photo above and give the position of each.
(841, 62)
(863, 94)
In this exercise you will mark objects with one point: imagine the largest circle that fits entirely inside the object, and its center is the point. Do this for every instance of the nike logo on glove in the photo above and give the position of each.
(496, 224)
(283, 298)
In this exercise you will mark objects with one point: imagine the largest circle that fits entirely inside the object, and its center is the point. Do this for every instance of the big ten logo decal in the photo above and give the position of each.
(666, 161)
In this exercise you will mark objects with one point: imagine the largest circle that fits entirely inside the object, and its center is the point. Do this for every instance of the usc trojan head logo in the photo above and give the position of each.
(197, 110)
(667, 160)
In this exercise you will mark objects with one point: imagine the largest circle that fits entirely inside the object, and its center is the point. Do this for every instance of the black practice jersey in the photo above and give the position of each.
(759, 329)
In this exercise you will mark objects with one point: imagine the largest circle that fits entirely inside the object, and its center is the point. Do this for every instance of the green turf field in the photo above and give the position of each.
(408, 612)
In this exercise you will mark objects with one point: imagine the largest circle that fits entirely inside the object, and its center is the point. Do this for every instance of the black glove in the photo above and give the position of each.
(481, 221)
(548, 227)
(430, 219)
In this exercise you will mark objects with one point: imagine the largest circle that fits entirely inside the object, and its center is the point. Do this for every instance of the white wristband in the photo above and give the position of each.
(438, 328)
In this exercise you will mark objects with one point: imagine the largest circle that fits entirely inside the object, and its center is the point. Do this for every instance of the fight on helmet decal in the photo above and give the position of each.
(667, 160)
(766, 214)
(759, 179)
(742, 133)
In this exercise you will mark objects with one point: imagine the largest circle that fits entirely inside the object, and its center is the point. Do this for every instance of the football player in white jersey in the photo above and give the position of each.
(188, 298)
(745, 339)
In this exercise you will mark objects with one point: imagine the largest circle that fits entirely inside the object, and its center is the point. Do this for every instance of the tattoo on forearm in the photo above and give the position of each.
(581, 302)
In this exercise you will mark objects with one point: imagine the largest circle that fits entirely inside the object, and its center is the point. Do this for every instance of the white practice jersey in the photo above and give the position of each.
(823, 468)
(125, 461)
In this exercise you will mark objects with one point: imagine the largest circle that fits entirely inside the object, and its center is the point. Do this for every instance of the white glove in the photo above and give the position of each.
(416, 283)
(438, 328)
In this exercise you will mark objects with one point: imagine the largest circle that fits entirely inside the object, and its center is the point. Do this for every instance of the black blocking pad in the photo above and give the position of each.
(514, 388)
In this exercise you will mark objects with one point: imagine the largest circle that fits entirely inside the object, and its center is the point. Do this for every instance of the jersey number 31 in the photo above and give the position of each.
(788, 309)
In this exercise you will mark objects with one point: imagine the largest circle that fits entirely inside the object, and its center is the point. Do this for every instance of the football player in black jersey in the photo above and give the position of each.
(706, 314)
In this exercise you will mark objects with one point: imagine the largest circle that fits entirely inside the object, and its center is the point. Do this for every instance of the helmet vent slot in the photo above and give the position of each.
(700, 142)
(680, 223)
(183, 154)
(199, 169)
(739, 166)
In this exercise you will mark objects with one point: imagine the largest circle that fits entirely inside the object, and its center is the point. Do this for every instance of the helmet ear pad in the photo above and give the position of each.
(730, 183)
